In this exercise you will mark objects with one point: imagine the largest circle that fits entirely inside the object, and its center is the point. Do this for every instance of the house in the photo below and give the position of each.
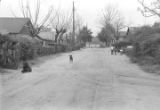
(132, 30)
(65, 39)
(122, 35)
(49, 45)
(17, 29)
(48, 38)
(13, 33)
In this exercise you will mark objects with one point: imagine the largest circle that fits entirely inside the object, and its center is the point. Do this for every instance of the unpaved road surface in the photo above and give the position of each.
(94, 81)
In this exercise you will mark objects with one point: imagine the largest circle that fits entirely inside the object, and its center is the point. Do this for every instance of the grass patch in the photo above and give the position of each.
(151, 68)
(146, 63)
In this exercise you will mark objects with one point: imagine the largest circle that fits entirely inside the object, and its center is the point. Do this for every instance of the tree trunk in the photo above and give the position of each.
(56, 39)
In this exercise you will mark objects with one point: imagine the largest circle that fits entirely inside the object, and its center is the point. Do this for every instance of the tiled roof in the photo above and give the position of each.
(12, 25)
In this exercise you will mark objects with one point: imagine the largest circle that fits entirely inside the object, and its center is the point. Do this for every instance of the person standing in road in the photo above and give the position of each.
(112, 49)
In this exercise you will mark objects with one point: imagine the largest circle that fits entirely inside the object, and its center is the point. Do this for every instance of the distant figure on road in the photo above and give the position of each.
(121, 51)
(71, 58)
(112, 49)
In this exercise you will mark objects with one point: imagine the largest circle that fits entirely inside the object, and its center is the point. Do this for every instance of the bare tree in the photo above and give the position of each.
(38, 22)
(150, 10)
(78, 23)
(109, 14)
(78, 27)
(61, 23)
(112, 20)
(119, 25)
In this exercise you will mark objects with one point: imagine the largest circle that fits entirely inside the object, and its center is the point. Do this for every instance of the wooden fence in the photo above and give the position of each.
(11, 53)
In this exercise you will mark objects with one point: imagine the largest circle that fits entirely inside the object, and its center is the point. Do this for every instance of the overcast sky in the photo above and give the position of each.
(89, 10)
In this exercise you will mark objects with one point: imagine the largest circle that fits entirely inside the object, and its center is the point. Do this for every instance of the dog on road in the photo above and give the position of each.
(71, 58)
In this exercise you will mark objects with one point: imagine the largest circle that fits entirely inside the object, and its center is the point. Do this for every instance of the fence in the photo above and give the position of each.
(11, 57)
(42, 51)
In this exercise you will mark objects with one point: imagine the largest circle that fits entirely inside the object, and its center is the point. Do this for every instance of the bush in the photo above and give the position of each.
(27, 51)
(122, 44)
(147, 48)
(146, 43)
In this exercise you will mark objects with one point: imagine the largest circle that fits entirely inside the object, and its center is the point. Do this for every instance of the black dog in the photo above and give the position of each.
(26, 67)
(71, 58)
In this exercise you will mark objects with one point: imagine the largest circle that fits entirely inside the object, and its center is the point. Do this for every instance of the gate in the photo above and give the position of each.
(9, 54)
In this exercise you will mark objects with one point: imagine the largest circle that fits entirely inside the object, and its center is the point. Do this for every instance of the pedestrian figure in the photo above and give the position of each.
(112, 50)
(71, 58)
(121, 51)
(115, 50)
(26, 67)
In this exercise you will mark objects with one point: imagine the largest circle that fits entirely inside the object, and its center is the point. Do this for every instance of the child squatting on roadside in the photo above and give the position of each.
(26, 67)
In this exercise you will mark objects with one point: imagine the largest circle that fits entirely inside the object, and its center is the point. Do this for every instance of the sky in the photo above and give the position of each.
(89, 10)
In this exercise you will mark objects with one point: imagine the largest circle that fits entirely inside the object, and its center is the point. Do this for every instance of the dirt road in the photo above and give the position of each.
(94, 81)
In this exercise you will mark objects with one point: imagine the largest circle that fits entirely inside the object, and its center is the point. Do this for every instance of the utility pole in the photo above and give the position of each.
(145, 18)
(73, 36)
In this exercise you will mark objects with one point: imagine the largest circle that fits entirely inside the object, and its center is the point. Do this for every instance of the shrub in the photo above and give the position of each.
(122, 44)
(148, 49)
(146, 43)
